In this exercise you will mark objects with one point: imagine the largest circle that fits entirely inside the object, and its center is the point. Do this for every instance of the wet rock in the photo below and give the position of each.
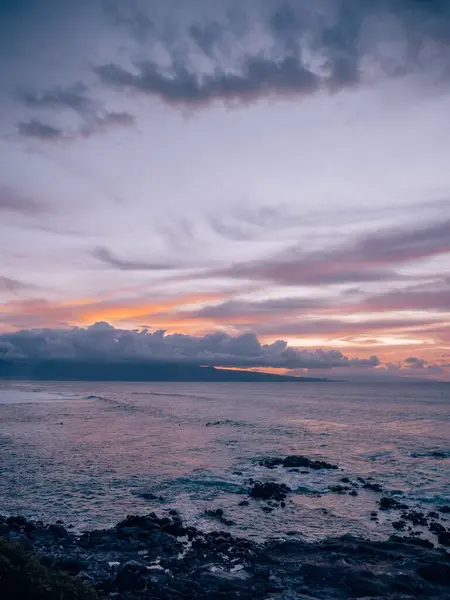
(353, 493)
(244, 503)
(303, 461)
(437, 528)
(215, 513)
(386, 503)
(444, 509)
(269, 490)
(399, 525)
(374, 487)
(150, 496)
(156, 565)
(271, 463)
(444, 538)
(415, 517)
(345, 480)
(295, 462)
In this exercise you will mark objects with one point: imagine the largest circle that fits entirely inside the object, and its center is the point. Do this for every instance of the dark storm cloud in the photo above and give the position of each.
(12, 201)
(101, 341)
(259, 77)
(227, 54)
(369, 258)
(109, 258)
(342, 37)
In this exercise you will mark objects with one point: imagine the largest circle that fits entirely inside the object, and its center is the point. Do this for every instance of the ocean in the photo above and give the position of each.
(90, 453)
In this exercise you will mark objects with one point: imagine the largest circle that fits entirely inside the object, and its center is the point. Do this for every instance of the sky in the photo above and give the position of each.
(259, 184)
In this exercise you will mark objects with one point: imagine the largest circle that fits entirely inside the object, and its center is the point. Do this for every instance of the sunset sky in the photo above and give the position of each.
(238, 172)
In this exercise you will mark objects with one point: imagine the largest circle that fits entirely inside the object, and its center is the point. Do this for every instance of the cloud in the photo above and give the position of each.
(259, 77)
(14, 286)
(109, 258)
(415, 363)
(74, 96)
(94, 117)
(104, 122)
(435, 298)
(41, 131)
(368, 258)
(12, 201)
(294, 49)
(99, 123)
(101, 341)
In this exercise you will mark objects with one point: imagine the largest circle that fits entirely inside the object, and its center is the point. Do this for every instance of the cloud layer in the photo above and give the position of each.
(103, 342)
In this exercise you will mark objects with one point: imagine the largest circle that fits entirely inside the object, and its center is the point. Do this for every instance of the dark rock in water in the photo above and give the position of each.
(150, 496)
(345, 480)
(269, 490)
(303, 461)
(415, 517)
(338, 489)
(444, 509)
(400, 525)
(294, 462)
(219, 514)
(374, 487)
(353, 493)
(386, 503)
(433, 515)
(444, 538)
(216, 513)
(271, 463)
(437, 528)
(244, 503)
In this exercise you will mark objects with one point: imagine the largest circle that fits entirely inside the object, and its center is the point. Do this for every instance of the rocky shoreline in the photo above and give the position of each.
(154, 557)
(157, 556)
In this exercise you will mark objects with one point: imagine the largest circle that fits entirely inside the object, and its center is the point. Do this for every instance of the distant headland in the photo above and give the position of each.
(76, 370)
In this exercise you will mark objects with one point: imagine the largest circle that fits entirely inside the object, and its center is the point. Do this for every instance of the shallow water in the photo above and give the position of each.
(84, 452)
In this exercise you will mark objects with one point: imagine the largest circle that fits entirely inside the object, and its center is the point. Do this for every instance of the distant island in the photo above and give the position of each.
(76, 370)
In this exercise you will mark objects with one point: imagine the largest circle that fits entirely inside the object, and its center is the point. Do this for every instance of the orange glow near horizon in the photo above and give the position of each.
(428, 338)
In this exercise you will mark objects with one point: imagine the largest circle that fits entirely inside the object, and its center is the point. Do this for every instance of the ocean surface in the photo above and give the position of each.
(90, 453)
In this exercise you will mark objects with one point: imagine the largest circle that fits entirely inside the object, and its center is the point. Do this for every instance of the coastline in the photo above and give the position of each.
(158, 557)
